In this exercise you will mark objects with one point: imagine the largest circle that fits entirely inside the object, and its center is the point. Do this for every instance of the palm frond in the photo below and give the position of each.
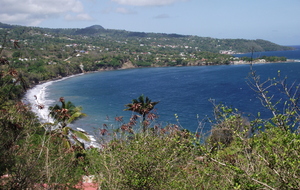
(78, 143)
(69, 105)
(81, 135)
(141, 99)
(66, 143)
(66, 130)
(76, 116)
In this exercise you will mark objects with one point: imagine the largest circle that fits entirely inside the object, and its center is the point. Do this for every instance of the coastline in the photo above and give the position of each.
(36, 94)
(40, 90)
(29, 96)
(262, 62)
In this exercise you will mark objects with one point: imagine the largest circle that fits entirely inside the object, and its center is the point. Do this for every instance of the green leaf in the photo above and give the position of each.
(81, 135)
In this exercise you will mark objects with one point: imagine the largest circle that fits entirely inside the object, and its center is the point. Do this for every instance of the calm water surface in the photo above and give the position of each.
(184, 91)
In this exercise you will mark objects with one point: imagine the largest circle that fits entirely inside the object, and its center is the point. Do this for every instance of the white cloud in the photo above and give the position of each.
(124, 11)
(147, 2)
(20, 19)
(33, 12)
(82, 16)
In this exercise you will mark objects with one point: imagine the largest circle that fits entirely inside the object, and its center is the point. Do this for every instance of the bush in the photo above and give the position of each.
(147, 161)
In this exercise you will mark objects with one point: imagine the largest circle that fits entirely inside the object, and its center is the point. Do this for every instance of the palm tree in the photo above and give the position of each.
(64, 115)
(142, 106)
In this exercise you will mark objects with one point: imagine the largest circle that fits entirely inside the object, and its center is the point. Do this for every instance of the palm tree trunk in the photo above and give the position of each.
(143, 123)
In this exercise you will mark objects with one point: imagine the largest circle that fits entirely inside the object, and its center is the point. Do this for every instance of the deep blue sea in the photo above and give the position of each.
(184, 91)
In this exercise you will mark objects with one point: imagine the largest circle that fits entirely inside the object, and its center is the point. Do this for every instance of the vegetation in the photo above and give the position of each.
(31, 157)
(143, 106)
(238, 153)
(265, 58)
(43, 53)
(63, 115)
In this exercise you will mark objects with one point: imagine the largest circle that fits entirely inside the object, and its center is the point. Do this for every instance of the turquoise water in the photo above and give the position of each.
(184, 91)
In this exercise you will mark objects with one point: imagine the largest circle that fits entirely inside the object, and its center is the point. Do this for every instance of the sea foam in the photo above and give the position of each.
(37, 98)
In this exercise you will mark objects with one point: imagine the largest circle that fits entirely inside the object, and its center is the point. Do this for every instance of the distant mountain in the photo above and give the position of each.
(96, 27)
(2, 25)
(91, 30)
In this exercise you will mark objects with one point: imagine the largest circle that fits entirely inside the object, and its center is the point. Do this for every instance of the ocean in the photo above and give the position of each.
(184, 91)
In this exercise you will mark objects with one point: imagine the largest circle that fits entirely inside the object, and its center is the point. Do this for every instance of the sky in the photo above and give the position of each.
(277, 21)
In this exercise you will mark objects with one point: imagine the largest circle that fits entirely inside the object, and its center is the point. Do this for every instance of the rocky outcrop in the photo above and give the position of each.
(128, 65)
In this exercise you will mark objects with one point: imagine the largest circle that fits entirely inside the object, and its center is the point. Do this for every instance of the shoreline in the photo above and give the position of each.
(33, 98)
(258, 62)
(33, 102)
(57, 79)
(40, 91)
(129, 65)
(35, 95)
(60, 78)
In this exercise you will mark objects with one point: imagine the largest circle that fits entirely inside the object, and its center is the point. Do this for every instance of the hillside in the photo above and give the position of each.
(48, 53)
(153, 39)
(201, 43)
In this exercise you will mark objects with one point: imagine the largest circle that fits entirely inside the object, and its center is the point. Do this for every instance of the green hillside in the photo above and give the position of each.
(152, 39)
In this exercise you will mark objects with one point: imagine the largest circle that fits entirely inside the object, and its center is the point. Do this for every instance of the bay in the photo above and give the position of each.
(184, 91)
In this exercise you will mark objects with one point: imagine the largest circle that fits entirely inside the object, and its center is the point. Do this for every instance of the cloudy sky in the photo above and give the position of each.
(274, 20)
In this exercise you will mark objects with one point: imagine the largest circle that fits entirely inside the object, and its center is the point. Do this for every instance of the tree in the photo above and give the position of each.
(16, 54)
(143, 106)
(64, 115)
